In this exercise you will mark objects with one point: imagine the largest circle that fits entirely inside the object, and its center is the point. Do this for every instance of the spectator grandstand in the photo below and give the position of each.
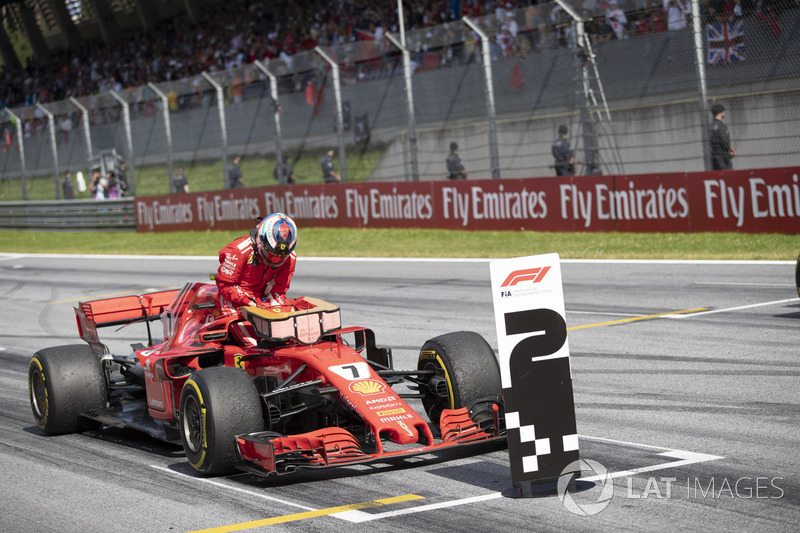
(647, 51)
(231, 34)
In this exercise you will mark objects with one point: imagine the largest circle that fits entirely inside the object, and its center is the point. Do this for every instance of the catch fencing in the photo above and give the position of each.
(635, 101)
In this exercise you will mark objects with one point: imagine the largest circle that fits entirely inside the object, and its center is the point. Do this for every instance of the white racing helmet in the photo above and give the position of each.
(276, 237)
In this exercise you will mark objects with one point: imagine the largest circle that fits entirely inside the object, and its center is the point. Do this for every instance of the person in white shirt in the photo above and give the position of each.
(616, 18)
(676, 14)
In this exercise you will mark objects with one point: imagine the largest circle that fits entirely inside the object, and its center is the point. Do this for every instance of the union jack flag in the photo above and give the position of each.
(725, 43)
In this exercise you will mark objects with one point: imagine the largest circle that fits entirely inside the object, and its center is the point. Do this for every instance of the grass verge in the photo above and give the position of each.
(337, 242)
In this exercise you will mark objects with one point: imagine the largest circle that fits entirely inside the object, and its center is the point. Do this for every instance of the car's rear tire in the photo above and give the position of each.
(466, 370)
(216, 405)
(63, 383)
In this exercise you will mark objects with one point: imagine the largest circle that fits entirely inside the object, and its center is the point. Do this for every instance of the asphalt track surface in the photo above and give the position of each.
(693, 414)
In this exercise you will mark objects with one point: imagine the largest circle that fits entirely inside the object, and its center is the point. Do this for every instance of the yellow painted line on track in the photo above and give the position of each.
(637, 318)
(310, 514)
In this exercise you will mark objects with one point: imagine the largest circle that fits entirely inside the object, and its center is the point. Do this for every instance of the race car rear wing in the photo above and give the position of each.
(119, 311)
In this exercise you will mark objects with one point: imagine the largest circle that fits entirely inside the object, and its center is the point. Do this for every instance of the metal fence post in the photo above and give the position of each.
(167, 128)
(86, 132)
(337, 91)
(53, 145)
(273, 93)
(494, 158)
(126, 120)
(412, 124)
(20, 138)
(699, 52)
(222, 124)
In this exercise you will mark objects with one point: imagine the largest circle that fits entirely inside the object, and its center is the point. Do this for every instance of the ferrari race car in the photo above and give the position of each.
(266, 391)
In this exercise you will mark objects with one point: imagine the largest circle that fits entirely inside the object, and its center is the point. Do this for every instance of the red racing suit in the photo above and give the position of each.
(244, 278)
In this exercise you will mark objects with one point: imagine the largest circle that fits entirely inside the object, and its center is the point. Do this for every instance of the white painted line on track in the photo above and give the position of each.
(682, 261)
(727, 309)
(111, 256)
(683, 457)
(361, 516)
(6, 256)
(229, 487)
(731, 284)
(626, 443)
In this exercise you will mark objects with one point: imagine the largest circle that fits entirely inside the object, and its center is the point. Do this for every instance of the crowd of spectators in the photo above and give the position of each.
(236, 33)
(228, 35)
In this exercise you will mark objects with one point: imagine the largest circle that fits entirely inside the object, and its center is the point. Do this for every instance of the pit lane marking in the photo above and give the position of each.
(683, 457)
(711, 311)
(310, 514)
(637, 318)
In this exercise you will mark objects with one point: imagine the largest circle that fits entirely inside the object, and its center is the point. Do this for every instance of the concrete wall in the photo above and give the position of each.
(663, 138)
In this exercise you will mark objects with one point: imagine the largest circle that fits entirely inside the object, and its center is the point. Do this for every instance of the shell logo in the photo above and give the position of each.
(367, 387)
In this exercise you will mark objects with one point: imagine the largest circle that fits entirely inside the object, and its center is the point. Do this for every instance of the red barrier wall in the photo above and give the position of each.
(751, 201)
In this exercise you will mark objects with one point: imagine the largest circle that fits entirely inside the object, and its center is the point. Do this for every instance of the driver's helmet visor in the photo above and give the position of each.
(274, 259)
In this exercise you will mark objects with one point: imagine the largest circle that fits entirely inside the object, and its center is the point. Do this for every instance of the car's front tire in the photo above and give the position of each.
(63, 383)
(465, 370)
(216, 405)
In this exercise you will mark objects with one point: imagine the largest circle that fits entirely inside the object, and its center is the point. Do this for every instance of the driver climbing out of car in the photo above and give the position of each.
(256, 270)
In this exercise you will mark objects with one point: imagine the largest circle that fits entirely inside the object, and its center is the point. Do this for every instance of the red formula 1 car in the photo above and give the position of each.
(303, 393)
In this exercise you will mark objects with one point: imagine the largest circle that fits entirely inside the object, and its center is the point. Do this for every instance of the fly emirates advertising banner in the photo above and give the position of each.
(754, 201)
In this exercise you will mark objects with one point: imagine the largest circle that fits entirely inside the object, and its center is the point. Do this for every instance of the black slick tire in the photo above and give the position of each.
(465, 367)
(216, 405)
(63, 383)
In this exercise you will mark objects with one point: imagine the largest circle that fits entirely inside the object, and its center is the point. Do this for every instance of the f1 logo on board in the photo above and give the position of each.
(534, 275)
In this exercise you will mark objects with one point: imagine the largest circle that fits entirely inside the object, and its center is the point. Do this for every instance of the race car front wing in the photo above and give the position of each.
(265, 453)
